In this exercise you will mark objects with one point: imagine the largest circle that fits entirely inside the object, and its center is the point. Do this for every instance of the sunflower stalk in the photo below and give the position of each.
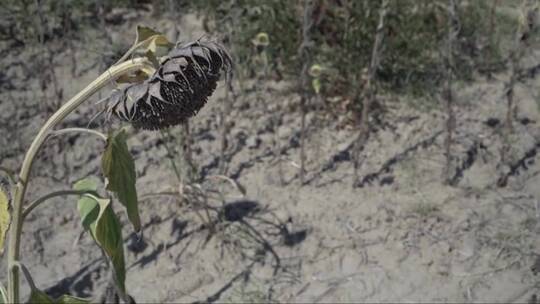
(453, 31)
(526, 26)
(163, 92)
(189, 174)
(165, 136)
(492, 34)
(24, 174)
(307, 25)
(224, 128)
(369, 95)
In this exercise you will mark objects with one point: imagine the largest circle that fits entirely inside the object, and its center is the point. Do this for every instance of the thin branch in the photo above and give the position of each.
(493, 45)
(26, 274)
(223, 115)
(265, 243)
(234, 183)
(521, 44)
(303, 51)
(79, 130)
(370, 90)
(190, 173)
(165, 136)
(453, 31)
(42, 199)
(132, 49)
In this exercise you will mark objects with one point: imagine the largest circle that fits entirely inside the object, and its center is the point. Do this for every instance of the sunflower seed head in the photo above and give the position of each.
(178, 89)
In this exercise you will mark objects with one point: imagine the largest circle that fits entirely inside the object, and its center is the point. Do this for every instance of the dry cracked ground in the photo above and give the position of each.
(401, 235)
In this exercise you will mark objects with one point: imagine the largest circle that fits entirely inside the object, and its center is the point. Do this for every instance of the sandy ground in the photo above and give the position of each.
(402, 236)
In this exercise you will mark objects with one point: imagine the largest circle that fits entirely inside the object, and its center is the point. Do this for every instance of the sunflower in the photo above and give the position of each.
(176, 91)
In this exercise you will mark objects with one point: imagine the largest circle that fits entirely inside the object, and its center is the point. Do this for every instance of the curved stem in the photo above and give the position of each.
(27, 275)
(81, 130)
(129, 52)
(20, 189)
(40, 200)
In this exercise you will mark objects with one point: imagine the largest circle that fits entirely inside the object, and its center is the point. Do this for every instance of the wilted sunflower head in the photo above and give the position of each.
(176, 91)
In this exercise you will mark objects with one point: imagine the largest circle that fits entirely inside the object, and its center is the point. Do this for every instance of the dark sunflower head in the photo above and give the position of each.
(178, 89)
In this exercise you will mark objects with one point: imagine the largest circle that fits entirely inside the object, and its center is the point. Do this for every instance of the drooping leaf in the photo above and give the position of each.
(89, 211)
(86, 184)
(106, 230)
(150, 40)
(88, 207)
(108, 234)
(98, 217)
(36, 295)
(119, 168)
(145, 33)
(39, 297)
(151, 55)
(5, 218)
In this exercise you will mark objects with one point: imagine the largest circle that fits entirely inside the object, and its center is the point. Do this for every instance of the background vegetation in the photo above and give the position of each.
(301, 68)
(342, 35)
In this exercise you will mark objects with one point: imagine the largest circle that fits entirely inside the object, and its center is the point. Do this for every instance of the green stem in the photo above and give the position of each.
(81, 130)
(132, 49)
(24, 175)
(27, 275)
(40, 200)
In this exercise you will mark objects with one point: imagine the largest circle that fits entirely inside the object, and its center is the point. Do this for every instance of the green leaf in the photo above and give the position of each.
(108, 234)
(150, 40)
(89, 211)
(88, 184)
(145, 33)
(5, 218)
(67, 299)
(119, 168)
(38, 296)
(87, 206)
(152, 57)
(98, 217)
(106, 230)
